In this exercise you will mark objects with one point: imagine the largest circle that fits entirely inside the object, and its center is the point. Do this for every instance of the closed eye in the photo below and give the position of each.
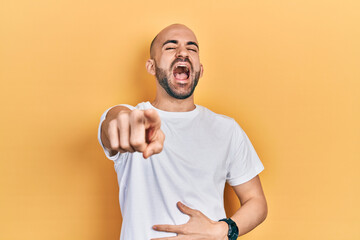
(191, 49)
(169, 48)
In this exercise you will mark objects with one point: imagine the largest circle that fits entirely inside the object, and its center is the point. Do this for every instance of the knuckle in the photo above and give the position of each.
(151, 111)
(137, 144)
(196, 213)
(137, 115)
(185, 230)
(114, 145)
(125, 145)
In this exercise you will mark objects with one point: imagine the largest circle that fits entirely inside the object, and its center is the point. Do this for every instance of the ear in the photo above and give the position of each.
(150, 66)
(201, 70)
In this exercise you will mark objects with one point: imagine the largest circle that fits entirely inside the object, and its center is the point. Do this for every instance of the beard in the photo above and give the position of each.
(163, 79)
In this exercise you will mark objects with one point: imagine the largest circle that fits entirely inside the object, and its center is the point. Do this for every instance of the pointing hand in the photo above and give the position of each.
(126, 130)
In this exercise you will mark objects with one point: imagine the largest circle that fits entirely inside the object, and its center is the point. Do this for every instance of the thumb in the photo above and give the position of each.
(185, 209)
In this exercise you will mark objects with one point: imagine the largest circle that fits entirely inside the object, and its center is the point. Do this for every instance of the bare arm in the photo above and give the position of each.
(125, 130)
(253, 210)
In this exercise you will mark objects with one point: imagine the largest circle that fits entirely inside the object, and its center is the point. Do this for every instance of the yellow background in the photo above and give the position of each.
(287, 71)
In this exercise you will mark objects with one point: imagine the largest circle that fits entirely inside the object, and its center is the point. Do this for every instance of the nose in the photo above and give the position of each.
(182, 52)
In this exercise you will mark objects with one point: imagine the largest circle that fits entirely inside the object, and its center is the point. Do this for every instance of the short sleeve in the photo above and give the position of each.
(102, 118)
(244, 163)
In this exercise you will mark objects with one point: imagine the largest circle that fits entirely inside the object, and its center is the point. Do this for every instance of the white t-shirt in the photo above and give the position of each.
(202, 150)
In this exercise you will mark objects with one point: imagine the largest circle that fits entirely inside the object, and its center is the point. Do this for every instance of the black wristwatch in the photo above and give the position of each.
(233, 229)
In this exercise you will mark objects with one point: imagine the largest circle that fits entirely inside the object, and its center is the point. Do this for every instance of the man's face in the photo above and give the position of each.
(177, 62)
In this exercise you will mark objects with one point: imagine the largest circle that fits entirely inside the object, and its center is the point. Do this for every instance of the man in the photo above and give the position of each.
(172, 188)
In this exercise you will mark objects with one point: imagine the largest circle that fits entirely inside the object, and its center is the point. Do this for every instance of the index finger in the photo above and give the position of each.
(169, 228)
(152, 119)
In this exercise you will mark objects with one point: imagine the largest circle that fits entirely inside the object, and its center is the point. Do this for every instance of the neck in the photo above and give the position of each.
(170, 104)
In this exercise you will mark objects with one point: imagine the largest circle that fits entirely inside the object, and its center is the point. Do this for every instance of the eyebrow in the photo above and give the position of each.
(176, 42)
(193, 43)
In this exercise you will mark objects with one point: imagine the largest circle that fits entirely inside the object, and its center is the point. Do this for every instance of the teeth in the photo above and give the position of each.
(182, 66)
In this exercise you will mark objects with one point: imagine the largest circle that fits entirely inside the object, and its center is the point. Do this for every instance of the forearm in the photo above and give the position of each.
(250, 214)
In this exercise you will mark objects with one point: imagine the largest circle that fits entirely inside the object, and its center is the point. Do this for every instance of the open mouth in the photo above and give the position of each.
(181, 72)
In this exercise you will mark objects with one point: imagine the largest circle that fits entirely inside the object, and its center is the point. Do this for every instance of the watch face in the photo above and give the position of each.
(233, 231)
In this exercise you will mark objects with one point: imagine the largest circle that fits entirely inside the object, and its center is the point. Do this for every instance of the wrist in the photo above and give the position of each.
(233, 231)
(221, 230)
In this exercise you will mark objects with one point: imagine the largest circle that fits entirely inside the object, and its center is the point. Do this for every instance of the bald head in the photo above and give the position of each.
(165, 35)
(175, 62)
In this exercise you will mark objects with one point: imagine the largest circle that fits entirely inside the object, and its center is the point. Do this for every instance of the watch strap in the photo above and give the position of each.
(233, 232)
